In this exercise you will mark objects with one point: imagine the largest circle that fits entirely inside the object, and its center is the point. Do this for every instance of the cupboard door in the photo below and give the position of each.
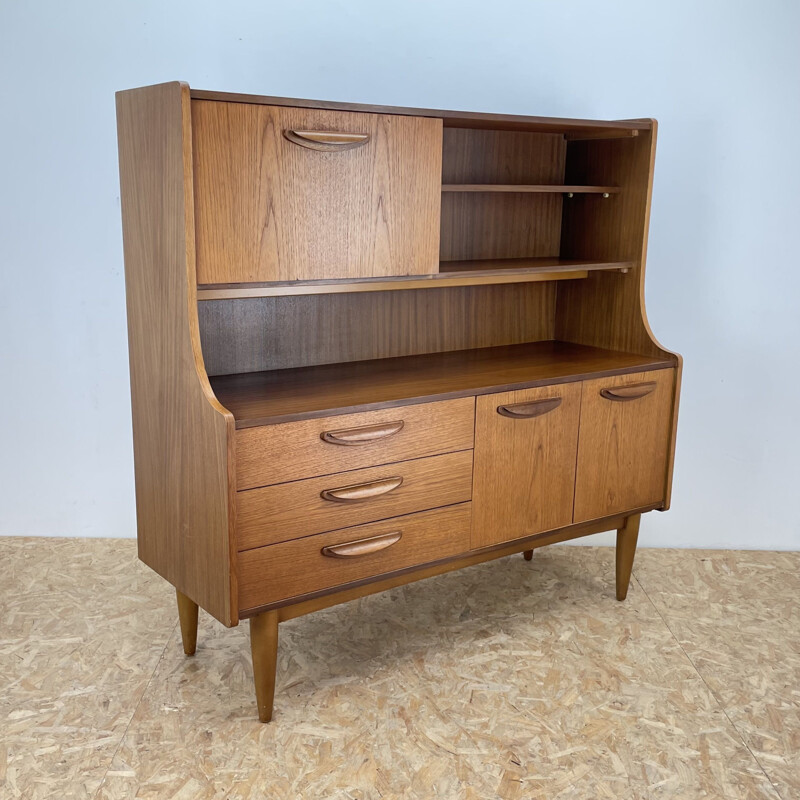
(270, 205)
(524, 474)
(624, 440)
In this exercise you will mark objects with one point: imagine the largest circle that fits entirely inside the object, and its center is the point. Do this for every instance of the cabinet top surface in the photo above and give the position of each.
(465, 119)
(262, 398)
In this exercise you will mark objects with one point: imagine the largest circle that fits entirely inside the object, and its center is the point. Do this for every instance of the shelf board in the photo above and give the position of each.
(537, 188)
(451, 273)
(265, 398)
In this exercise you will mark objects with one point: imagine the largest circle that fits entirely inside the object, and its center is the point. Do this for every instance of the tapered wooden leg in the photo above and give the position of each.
(627, 536)
(264, 645)
(187, 612)
(527, 555)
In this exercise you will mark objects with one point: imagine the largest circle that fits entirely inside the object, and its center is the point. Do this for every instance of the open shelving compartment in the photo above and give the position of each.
(542, 236)
(510, 203)
(517, 206)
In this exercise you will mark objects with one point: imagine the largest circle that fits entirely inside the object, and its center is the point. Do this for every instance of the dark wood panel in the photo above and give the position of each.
(261, 398)
(523, 188)
(498, 225)
(502, 266)
(181, 436)
(255, 334)
(483, 226)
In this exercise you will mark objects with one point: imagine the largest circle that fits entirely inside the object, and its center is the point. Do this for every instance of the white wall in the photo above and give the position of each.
(723, 285)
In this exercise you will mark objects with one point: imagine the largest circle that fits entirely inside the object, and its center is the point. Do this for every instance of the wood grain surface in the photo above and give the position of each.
(273, 333)
(501, 225)
(623, 446)
(269, 574)
(284, 395)
(524, 476)
(264, 650)
(270, 210)
(291, 510)
(181, 435)
(278, 453)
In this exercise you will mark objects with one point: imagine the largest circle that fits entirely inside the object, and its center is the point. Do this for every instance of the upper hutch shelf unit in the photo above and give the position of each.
(373, 344)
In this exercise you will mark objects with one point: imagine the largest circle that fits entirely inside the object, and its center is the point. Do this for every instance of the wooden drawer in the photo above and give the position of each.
(270, 205)
(294, 450)
(623, 444)
(277, 572)
(291, 510)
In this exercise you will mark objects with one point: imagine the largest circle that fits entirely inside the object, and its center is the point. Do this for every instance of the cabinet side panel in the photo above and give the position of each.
(181, 434)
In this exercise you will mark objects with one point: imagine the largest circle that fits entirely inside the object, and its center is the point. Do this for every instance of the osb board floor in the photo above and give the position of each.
(507, 680)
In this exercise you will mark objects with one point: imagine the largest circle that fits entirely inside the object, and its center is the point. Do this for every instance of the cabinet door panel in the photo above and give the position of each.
(524, 475)
(270, 207)
(624, 439)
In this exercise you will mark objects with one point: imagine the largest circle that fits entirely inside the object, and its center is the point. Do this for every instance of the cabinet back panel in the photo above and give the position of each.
(281, 332)
(499, 225)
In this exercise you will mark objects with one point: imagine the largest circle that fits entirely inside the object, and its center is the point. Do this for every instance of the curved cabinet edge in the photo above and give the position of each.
(183, 437)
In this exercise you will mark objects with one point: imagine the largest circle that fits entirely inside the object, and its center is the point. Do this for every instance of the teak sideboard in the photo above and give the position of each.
(370, 345)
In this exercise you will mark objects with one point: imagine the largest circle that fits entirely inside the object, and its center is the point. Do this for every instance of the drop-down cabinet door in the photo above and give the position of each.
(624, 441)
(524, 462)
(297, 194)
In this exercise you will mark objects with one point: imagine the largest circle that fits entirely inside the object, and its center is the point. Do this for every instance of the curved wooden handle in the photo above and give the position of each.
(361, 491)
(327, 141)
(632, 392)
(364, 434)
(362, 547)
(533, 408)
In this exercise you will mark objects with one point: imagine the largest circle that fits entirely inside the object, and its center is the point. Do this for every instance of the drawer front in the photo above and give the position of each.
(291, 510)
(281, 571)
(525, 447)
(295, 450)
(623, 444)
(271, 206)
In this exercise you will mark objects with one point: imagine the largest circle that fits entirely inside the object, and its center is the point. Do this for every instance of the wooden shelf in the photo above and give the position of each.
(535, 188)
(264, 398)
(451, 273)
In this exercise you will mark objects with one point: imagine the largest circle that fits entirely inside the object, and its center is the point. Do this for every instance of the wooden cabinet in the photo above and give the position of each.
(525, 448)
(341, 384)
(288, 194)
(624, 443)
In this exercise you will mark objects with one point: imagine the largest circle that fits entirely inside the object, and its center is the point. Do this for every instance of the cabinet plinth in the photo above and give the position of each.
(369, 345)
